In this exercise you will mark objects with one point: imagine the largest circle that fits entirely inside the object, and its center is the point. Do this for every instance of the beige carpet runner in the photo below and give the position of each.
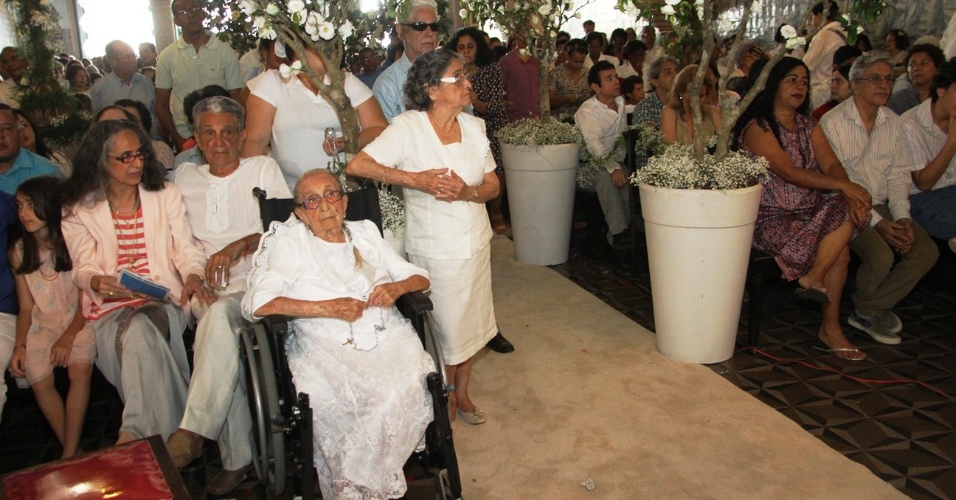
(587, 396)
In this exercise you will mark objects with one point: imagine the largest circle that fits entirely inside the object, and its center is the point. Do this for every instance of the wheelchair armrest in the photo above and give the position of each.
(276, 322)
(416, 302)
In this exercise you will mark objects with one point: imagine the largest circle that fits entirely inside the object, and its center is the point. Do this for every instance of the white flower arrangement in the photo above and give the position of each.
(393, 211)
(531, 132)
(677, 168)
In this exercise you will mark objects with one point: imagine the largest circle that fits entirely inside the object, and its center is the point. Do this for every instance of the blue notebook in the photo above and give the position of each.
(143, 286)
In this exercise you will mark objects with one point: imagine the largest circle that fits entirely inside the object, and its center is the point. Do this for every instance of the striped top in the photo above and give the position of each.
(131, 255)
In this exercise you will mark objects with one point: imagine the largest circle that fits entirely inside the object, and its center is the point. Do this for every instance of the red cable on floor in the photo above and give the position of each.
(851, 377)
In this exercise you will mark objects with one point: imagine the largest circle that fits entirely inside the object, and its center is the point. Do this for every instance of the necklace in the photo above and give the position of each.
(378, 328)
(124, 214)
(48, 277)
(125, 227)
(444, 136)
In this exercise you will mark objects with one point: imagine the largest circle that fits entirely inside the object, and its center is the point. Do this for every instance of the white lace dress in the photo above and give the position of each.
(371, 404)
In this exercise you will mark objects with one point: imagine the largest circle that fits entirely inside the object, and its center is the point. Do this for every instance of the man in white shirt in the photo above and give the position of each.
(601, 120)
(930, 131)
(868, 138)
(15, 66)
(225, 219)
(819, 56)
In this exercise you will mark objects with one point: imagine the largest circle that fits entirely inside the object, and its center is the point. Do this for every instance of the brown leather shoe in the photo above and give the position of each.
(227, 480)
(183, 448)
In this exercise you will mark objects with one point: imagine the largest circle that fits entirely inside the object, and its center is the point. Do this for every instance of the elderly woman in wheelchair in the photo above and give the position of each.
(351, 350)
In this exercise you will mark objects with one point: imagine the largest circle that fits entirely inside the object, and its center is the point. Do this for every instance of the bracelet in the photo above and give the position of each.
(474, 194)
(25, 346)
(385, 177)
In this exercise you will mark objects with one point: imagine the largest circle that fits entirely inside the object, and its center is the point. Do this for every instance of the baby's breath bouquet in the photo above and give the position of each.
(393, 212)
(678, 169)
(531, 132)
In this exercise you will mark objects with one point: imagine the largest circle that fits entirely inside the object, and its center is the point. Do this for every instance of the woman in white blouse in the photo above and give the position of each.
(291, 115)
(443, 159)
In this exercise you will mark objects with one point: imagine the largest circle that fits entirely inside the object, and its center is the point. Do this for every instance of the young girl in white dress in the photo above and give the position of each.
(50, 321)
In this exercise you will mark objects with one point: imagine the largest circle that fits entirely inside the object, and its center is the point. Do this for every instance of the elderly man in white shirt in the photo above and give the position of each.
(930, 131)
(601, 120)
(868, 138)
(225, 219)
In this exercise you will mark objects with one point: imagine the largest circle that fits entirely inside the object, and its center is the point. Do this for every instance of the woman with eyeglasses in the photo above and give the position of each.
(352, 350)
(799, 222)
(677, 117)
(290, 116)
(443, 160)
(122, 218)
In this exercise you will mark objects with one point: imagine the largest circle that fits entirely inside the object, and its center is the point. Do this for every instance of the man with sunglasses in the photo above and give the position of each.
(868, 139)
(419, 32)
(16, 163)
(195, 60)
(226, 221)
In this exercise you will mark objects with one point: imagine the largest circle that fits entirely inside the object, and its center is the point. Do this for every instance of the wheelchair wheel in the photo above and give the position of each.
(270, 463)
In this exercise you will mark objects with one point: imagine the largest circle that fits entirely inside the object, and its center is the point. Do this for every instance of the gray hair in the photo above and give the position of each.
(219, 104)
(426, 72)
(654, 71)
(414, 4)
(865, 62)
(308, 174)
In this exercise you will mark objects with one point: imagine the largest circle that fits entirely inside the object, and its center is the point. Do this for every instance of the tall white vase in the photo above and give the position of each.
(698, 246)
(540, 182)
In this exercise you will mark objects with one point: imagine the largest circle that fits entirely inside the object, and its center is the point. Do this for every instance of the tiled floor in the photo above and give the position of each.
(874, 411)
(902, 431)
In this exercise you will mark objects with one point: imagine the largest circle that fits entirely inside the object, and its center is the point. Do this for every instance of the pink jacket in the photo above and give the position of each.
(171, 250)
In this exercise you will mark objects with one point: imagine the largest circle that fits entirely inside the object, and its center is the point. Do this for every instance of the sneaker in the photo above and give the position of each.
(889, 321)
(874, 330)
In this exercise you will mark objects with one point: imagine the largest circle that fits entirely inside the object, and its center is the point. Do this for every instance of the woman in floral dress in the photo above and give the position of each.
(800, 222)
(488, 101)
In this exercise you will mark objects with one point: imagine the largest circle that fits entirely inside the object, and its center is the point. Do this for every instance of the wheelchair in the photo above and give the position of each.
(282, 417)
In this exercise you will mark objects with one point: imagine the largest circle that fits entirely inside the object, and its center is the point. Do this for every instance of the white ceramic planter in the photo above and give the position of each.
(540, 184)
(698, 246)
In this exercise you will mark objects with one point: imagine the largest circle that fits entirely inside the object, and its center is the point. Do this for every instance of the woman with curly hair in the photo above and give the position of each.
(443, 159)
(122, 217)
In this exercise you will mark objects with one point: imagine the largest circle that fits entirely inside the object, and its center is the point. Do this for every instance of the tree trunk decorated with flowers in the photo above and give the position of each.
(54, 112)
(699, 209)
(323, 26)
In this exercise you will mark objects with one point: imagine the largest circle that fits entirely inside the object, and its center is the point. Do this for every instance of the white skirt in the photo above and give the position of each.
(464, 310)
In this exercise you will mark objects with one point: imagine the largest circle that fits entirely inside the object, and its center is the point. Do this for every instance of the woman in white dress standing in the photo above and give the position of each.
(291, 115)
(443, 159)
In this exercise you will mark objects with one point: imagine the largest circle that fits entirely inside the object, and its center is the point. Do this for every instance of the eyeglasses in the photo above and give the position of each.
(457, 79)
(877, 79)
(312, 202)
(420, 26)
(131, 157)
(187, 12)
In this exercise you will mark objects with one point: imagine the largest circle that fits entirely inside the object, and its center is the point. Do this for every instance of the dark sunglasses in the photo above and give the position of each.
(420, 26)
